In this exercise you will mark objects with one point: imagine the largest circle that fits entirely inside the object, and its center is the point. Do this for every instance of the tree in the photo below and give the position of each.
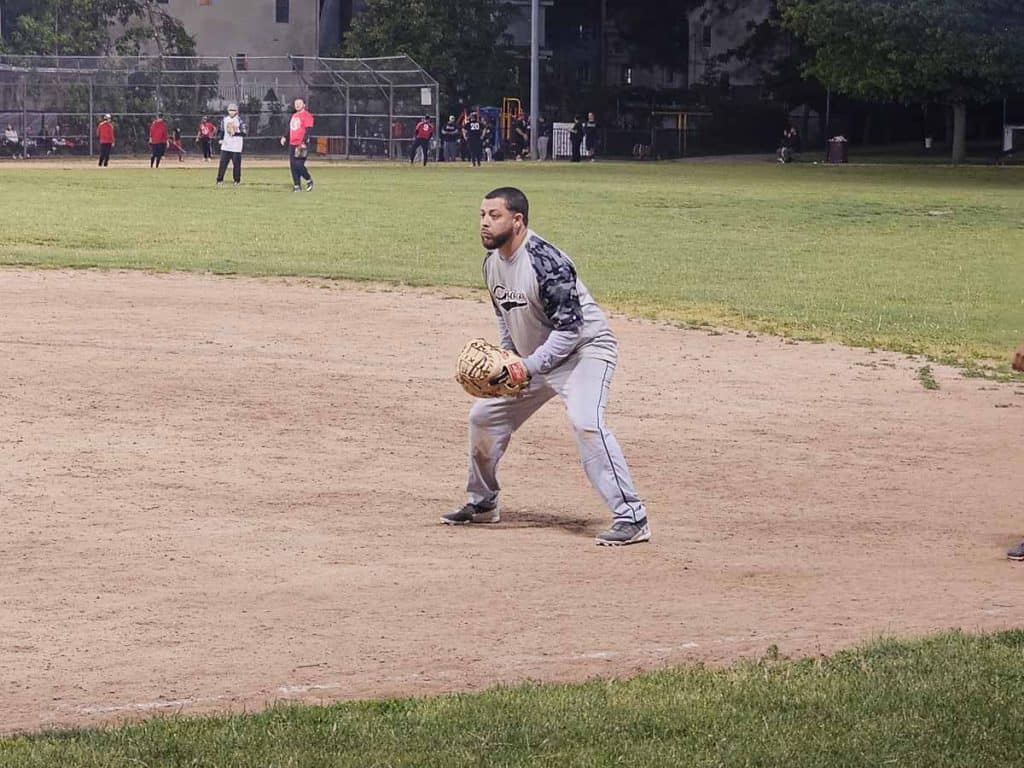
(91, 28)
(462, 43)
(950, 50)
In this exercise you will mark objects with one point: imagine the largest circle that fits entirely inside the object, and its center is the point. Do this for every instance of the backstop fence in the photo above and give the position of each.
(365, 107)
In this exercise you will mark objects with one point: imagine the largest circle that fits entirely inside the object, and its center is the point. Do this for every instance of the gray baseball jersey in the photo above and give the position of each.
(545, 308)
(548, 316)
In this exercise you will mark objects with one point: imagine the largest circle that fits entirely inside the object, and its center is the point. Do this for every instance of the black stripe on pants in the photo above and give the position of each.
(298, 166)
(235, 158)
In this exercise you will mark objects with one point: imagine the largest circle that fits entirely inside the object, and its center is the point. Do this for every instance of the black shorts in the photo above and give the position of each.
(158, 149)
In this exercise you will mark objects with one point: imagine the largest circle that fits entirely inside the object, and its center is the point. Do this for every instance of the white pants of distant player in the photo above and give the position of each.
(583, 385)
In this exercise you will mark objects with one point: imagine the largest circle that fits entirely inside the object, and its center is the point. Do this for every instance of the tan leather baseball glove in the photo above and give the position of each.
(485, 370)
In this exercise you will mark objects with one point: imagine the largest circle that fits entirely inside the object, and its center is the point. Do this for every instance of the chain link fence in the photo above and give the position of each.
(363, 107)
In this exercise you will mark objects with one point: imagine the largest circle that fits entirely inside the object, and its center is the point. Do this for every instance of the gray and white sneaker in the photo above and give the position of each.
(624, 532)
(472, 513)
(1017, 553)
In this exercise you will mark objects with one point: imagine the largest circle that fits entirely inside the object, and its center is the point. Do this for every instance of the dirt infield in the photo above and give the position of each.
(219, 492)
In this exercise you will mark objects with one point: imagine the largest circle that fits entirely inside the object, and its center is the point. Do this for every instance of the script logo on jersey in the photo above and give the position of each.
(508, 299)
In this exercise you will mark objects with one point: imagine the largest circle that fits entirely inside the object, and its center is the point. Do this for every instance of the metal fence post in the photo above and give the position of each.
(92, 116)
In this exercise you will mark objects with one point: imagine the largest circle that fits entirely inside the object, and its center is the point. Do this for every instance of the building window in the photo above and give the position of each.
(241, 62)
(706, 36)
(627, 74)
(281, 11)
(583, 73)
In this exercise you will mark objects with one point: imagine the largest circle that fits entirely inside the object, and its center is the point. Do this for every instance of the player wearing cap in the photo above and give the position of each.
(105, 133)
(204, 136)
(232, 133)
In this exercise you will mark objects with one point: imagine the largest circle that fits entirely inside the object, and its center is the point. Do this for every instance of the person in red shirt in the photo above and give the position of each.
(423, 133)
(204, 136)
(297, 141)
(157, 140)
(105, 133)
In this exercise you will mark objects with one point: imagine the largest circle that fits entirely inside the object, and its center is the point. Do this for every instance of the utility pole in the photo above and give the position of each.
(534, 73)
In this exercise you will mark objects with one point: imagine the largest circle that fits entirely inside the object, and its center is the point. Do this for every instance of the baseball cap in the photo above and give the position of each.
(106, 116)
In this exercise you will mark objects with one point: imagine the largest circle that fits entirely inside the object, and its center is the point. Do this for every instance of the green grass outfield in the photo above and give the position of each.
(952, 700)
(917, 259)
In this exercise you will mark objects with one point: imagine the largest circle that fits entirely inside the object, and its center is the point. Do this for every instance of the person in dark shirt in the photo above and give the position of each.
(543, 138)
(576, 138)
(474, 133)
(590, 134)
(487, 139)
(450, 138)
(521, 138)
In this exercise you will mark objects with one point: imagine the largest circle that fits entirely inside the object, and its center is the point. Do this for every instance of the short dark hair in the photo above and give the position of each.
(514, 199)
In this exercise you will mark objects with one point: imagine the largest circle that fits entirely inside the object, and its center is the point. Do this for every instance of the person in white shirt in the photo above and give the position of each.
(232, 135)
(12, 141)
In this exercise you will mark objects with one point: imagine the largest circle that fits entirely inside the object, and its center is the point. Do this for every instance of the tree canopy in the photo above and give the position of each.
(91, 28)
(460, 42)
(950, 50)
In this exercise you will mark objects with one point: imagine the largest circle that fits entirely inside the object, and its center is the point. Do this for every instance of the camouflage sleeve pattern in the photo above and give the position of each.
(556, 278)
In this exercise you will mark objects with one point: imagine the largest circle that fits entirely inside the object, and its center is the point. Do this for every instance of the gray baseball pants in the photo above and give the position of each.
(583, 385)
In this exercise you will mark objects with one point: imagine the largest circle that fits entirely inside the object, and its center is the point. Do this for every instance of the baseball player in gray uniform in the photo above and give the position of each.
(547, 316)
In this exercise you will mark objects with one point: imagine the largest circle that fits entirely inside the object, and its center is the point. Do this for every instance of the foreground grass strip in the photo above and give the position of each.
(951, 700)
(920, 260)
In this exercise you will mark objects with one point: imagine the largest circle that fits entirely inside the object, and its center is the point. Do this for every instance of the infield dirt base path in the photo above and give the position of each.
(220, 492)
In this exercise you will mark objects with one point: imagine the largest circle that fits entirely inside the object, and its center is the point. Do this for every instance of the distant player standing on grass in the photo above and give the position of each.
(473, 130)
(204, 136)
(423, 133)
(105, 133)
(1017, 553)
(298, 145)
(547, 316)
(233, 130)
(157, 140)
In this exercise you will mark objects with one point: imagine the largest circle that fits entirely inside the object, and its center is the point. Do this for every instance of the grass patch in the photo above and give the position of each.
(927, 377)
(951, 700)
(919, 260)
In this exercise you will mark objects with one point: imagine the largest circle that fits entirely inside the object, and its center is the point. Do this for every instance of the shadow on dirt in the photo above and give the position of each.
(524, 518)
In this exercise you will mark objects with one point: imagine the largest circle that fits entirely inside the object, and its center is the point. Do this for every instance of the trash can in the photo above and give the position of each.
(837, 150)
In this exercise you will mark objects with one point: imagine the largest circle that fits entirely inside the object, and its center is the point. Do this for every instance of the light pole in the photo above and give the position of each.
(534, 73)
